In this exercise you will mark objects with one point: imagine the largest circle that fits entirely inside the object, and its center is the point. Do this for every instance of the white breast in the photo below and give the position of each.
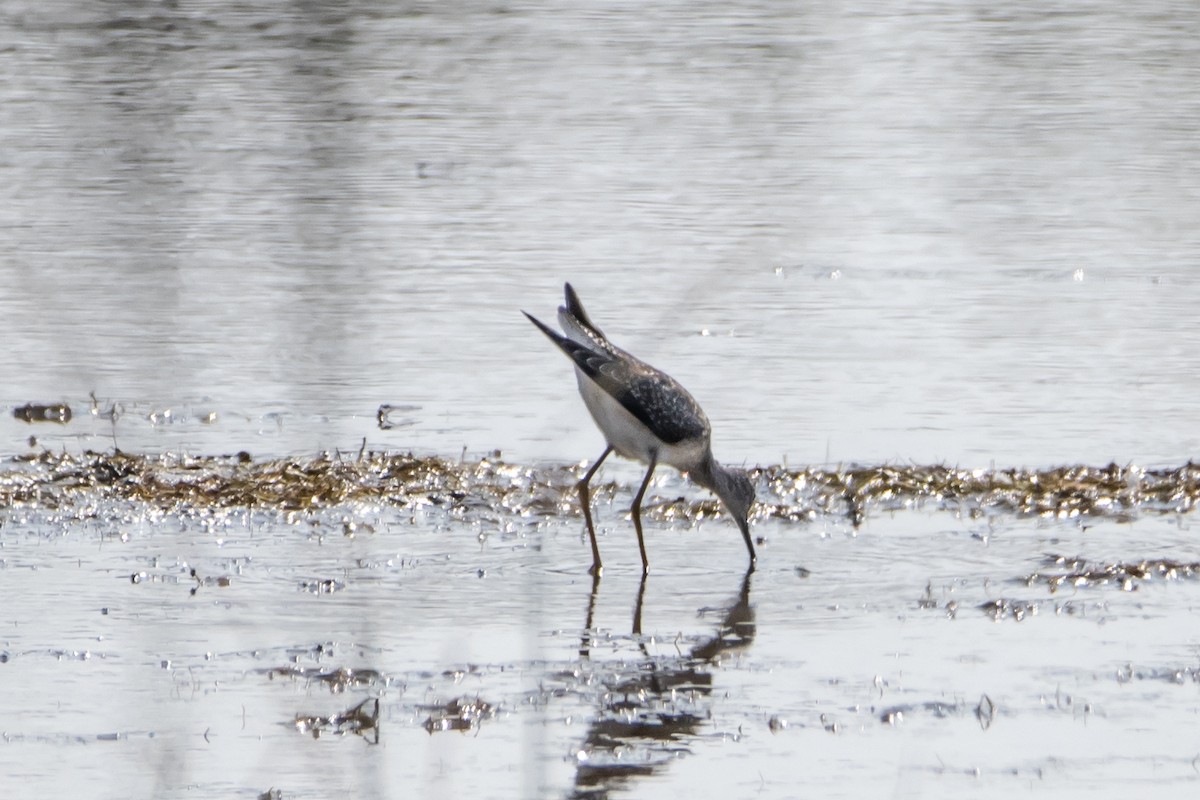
(629, 437)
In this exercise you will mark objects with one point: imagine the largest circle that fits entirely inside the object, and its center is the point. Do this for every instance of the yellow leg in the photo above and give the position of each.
(586, 499)
(637, 513)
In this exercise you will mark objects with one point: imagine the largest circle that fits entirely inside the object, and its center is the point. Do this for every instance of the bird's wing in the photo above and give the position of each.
(654, 398)
(660, 403)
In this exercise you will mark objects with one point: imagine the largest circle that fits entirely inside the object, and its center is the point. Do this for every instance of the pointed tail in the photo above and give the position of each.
(578, 326)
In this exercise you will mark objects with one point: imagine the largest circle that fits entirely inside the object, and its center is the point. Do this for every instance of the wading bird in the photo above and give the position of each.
(646, 416)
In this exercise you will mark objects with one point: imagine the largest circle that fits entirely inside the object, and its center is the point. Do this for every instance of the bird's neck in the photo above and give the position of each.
(707, 473)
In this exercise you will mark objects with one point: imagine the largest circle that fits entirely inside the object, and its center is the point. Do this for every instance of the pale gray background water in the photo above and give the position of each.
(937, 231)
(951, 231)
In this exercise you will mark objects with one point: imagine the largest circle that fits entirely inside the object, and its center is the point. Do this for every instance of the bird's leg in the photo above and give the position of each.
(586, 500)
(637, 512)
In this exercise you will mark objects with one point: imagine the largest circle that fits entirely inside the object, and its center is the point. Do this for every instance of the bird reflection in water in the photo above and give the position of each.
(648, 712)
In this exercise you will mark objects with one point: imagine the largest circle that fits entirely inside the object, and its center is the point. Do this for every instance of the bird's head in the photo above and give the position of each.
(736, 491)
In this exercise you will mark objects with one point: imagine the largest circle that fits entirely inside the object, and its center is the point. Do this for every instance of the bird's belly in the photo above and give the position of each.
(629, 437)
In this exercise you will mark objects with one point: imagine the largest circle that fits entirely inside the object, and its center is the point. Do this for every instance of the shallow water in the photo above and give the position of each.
(182, 643)
(943, 234)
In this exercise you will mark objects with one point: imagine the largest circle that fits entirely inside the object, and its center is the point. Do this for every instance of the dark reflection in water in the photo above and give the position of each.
(650, 711)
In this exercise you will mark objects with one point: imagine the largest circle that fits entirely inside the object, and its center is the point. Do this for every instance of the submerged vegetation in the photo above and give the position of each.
(1114, 491)
(490, 487)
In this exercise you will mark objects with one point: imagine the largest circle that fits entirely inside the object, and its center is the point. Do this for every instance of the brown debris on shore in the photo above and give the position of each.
(491, 487)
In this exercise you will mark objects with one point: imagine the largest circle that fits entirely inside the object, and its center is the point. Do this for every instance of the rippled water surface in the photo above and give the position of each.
(950, 233)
